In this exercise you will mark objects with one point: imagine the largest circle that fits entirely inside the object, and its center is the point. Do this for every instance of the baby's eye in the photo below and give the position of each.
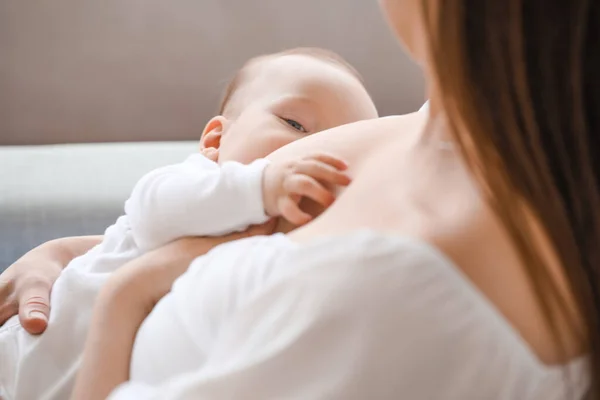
(296, 125)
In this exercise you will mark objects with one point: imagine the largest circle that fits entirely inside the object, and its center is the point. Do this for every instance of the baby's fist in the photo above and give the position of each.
(285, 183)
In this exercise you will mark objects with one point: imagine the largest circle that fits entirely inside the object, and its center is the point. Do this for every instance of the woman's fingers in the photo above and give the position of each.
(34, 304)
(6, 287)
(8, 309)
(8, 305)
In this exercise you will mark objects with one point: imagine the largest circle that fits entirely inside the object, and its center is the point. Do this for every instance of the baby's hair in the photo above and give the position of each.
(314, 52)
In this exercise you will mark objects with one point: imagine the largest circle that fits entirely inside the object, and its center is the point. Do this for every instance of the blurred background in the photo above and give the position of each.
(75, 71)
(122, 70)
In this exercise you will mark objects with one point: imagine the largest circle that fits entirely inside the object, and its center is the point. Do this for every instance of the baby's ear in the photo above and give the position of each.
(214, 129)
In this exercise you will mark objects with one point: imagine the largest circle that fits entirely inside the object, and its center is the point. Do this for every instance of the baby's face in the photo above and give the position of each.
(287, 98)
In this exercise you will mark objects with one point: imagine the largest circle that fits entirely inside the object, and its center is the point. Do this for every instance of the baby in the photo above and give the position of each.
(228, 186)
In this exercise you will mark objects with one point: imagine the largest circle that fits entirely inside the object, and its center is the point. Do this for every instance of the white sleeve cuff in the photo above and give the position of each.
(251, 202)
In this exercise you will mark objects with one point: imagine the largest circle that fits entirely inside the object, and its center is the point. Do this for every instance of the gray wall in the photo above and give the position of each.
(122, 70)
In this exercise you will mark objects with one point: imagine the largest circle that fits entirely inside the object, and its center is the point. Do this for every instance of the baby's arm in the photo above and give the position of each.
(195, 198)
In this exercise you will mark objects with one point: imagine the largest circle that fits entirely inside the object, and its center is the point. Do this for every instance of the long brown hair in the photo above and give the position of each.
(522, 77)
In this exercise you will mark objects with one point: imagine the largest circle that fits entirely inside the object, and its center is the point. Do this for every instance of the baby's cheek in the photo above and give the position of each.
(279, 140)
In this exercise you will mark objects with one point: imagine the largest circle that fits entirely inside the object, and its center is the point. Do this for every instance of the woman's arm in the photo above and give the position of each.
(126, 300)
(25, 285)
(116, 319)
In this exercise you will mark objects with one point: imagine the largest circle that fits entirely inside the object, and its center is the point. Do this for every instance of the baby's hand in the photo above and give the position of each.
(285, 183)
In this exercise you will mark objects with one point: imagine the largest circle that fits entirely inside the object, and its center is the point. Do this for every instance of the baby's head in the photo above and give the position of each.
(277, 99)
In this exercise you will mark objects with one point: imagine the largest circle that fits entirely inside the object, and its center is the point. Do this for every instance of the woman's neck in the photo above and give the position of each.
(437, 126)
(434, 98)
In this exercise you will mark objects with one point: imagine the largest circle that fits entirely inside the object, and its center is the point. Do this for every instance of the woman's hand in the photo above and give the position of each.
(126, 300)
(25, 286)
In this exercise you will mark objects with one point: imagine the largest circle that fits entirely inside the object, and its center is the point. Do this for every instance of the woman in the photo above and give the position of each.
(478, 274)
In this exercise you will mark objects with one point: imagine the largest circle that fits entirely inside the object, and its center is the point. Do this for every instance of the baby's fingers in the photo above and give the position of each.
(334, 161)
(306, 186)
(290, 210)
(322, 172)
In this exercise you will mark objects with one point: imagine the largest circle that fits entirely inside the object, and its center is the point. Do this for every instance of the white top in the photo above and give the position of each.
(196, 197)
(360, 316)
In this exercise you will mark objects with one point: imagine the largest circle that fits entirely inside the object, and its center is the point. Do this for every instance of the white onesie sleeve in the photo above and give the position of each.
(195, 198)
(392, 322)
